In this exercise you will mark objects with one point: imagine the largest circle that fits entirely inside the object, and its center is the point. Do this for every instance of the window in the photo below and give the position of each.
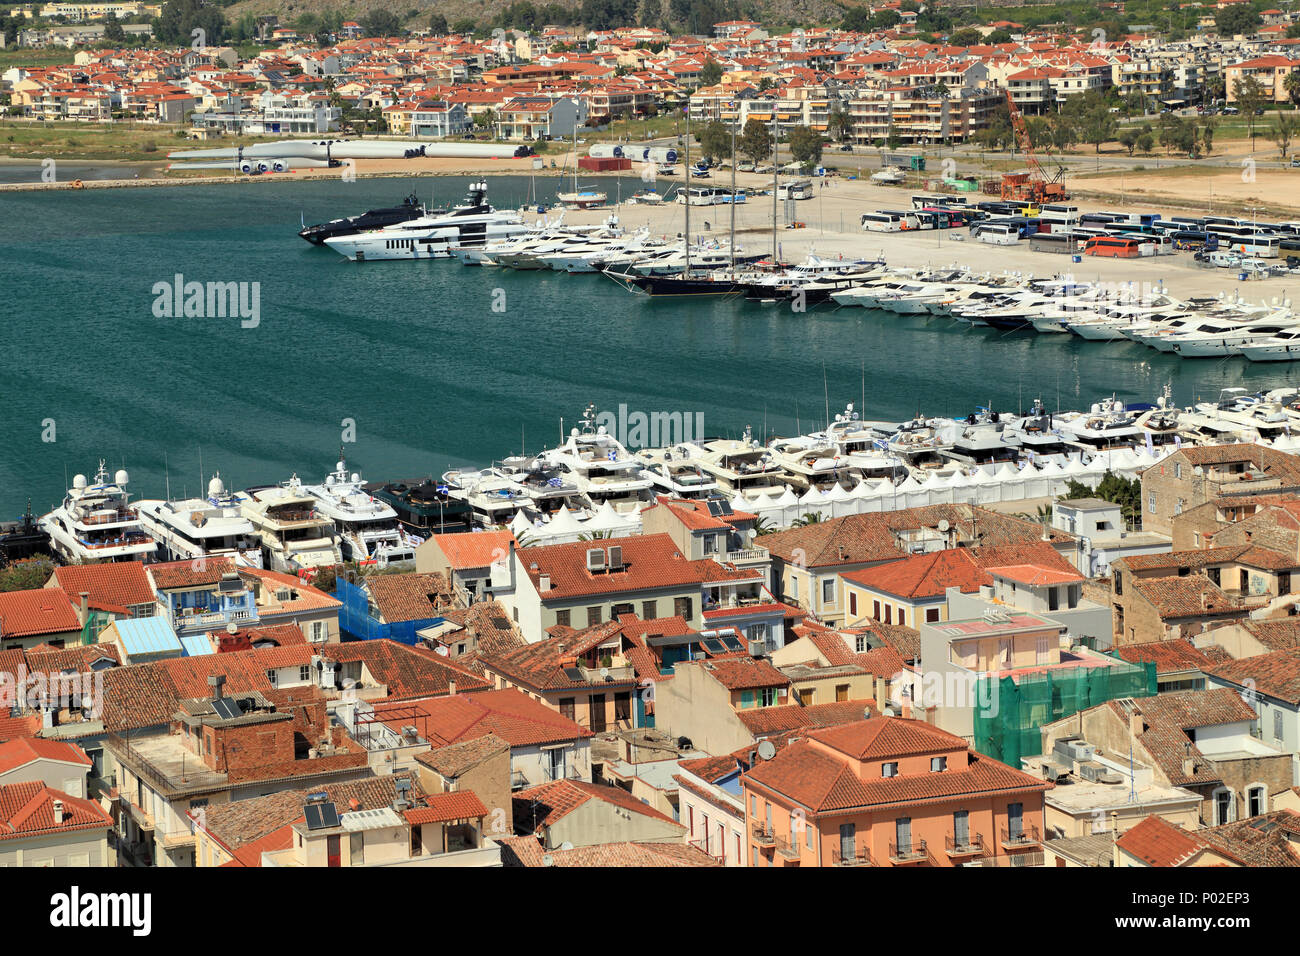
(710, 544)
(841, 692)
(766, 696)
(593, 615)
(1044, 649)
(902, 617)
(319, 631)
(754, 862)
(1053, 599)
(1178, 469)
(1255, 801)
(682, 607)
(753, 805)
(889, 769)
(1178, 506)
(272, 677)
(356, 850)
(938, 764)
(563, 616)
(794, 587)
(889, 613)
(931, 615)
(903, 834)
(567, 707)
(875, 610)
(828, 591)
(808, 836)
(1119, 583)
(1284, 582)
(304, 672)
(1277, 723)
(1222, 807)
(860, 644)
(1151, 503)
(853, 603)
(648, 611)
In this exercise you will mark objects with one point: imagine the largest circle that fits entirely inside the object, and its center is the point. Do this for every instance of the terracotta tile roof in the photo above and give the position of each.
(1158, 842)
(250, 854)
(77, 657)
(742, 673)
(187, 574)
(1275, 674)
(408, 672)
(809, 776)
(35, 612)
(445, 807)
(22, 751)
(1266, 840)
(1168, 656)
(882, 737)
(122, 583)
(14, 728)
(409, 597)
(476, 550)
(27, 810)
(1186, 596)
(454, 759)
(1164, 724)
(538, 807)
(303, 597)
(924, 575)
(1276, 635)
(510, 714)
(1193, 560)
(525, 851)
(770, 721)
(650, 562)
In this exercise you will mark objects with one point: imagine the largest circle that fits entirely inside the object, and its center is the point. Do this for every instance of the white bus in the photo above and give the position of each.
(1262, 245)
(1058, 218)
(795, 189)
(1000, 233)
(882, 222)
(711, 196)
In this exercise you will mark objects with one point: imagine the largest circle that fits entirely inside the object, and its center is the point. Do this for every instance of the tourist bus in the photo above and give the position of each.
(1115, 247)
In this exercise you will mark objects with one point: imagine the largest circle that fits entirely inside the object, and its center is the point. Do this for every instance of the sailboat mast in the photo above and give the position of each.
(686, 177)
(735, 118)
(775, 188)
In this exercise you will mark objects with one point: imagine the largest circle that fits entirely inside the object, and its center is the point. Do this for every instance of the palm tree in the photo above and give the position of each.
(763, 525)
(812, 517)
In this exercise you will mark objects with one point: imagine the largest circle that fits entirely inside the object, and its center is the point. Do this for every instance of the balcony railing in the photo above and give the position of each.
(912, 852)
(1019, 837)
(971, 843)
(764, 835)
(787, 849)
(861, 856)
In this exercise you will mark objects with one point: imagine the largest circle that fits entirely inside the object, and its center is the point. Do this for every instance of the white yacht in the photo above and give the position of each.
(741, 465)
(195, 528)
(495, 498)
(368, 529)
(96, 524)
(600, 467)
(677, 471)
(1283, 346)
(473, 223)
(294, 535)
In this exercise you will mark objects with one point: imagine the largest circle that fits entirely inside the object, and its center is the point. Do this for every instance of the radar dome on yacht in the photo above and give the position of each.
(573, 433)
(339, 466)
(120, 477)
(216, 487)
(601, 430)
(356, 477)
(329, 481)
(79, 482)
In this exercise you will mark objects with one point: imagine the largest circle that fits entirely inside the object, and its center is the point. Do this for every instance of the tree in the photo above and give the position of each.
(180, 18)
(755, 141)
(1283, 131)
(838, 124)
(381, 23)
(463, 25)
(1097, 126)
(710, 73)
(856, 20)
(607, 14)
(438, 25)
(884, 19)
(113, 31)
(806, 146)
(1128, 138)
(1236, 19)
(1249, 96)
(998, 36)
(714, 140)
(812, 517)
(1125, 492)
(26, 575)
(1292, 86)
(966, 36)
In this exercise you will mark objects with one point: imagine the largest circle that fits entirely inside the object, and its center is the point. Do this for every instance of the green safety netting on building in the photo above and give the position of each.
(1011, 727)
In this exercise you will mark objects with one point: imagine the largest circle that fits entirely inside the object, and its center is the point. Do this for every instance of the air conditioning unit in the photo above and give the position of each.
(595, 559)
(757, 648)
(615, 557)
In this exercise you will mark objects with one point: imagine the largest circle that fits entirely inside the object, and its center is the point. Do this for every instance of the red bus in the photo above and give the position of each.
(1116, 247)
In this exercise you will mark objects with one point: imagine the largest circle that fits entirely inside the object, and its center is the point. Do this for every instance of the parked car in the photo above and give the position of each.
(846, 148)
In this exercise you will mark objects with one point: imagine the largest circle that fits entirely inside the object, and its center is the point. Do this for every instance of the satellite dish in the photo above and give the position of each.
(566, 845)
(232, 628)
(604, 673)
(943, 525)
(766, 750)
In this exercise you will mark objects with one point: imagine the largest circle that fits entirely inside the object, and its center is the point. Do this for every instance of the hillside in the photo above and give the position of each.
(417, 12)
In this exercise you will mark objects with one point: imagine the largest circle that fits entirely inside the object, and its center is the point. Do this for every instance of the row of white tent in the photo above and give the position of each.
(566, 526)
(985, 485)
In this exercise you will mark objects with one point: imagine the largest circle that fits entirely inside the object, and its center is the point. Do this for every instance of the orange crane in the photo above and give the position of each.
(1033, 186)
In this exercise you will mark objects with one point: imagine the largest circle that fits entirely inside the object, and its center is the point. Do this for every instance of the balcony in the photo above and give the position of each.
(787, 849)
(861, 857)
(763, 835)
(617, 671)
(1019, 838)
(914, 852)
(972, 844)
(193, 617)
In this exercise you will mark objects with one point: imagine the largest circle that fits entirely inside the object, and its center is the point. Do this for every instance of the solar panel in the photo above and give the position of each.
(321, 816)
(726, 507)
(573, 674)
(715, 508)
(731, 643)
(714, 646)
(227, 708)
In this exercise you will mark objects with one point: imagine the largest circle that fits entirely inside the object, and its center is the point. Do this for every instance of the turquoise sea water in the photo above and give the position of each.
(416, 356)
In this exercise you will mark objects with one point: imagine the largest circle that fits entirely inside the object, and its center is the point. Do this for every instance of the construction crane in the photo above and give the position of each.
(1032, 186)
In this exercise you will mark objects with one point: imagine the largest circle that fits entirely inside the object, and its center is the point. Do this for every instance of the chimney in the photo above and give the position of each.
(1189, 762)
(1136, 725)
(85, 606)
(451, 687)
(58, 812)
(544, 583)
(354, 804)
(216, 682)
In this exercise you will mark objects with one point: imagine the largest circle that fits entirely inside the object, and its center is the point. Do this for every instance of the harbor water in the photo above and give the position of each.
(430, 364)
